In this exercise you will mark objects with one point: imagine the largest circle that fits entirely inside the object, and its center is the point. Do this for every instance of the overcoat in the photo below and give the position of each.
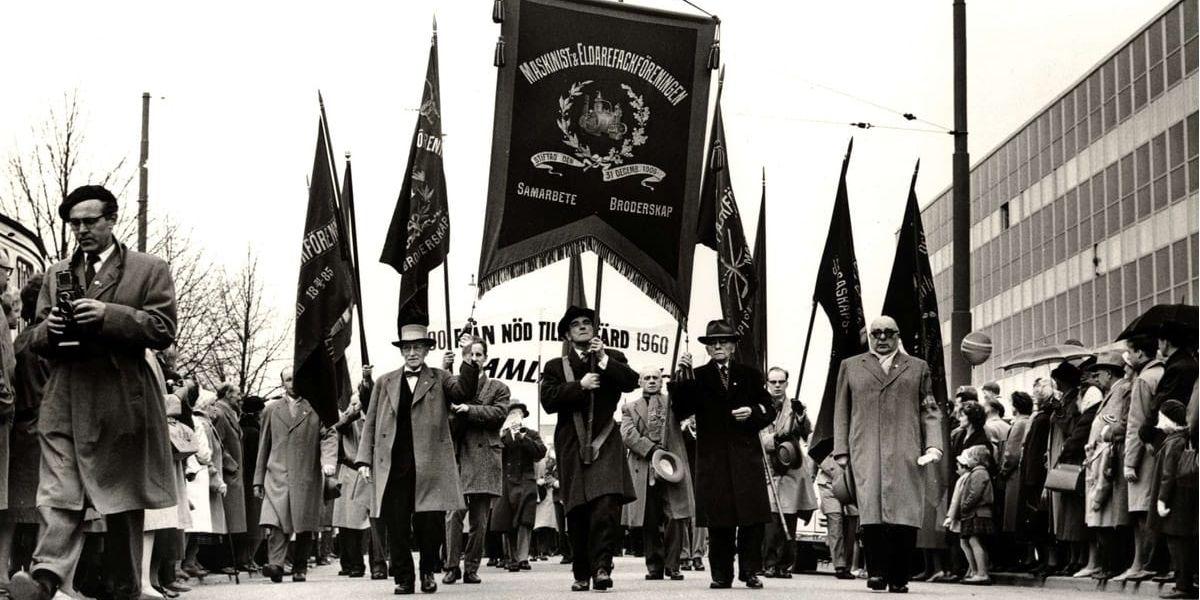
(352, 508)
(32, 372)
(1010, 470)
(635, 433)
(227, 426)
(545, 517)
(477, 438)
(518, 504)
(437, 485)
(1067, 509)
(1105, 496)
(1180, 499)
(884, 422)
(1138, 456)
(8, 396)
(608, 473)
(103, 426)
(730, 486)
(795, 484)
(291, 454)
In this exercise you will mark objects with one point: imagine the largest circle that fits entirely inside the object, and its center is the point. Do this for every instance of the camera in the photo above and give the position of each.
(68, 291)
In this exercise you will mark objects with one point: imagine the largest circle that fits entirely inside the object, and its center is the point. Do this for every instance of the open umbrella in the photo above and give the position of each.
(1152, 322)
(1044, 355)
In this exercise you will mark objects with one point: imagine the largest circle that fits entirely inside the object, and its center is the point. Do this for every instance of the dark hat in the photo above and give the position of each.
(843, 486)
(1175, 411)
(574, 312)
(967, 393)
(718, 330)
(667, 466)
(83, 194)
(1067, 372)
(414, 333)
(519, 405)
(788, 454)
(332, 489)
(253, 404)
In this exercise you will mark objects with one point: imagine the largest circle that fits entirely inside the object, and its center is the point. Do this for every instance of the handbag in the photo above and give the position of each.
(183, 440)
(1065, 478)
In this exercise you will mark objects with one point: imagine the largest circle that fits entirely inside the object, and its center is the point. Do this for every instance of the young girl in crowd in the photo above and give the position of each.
(971, 511)
(1176, 500)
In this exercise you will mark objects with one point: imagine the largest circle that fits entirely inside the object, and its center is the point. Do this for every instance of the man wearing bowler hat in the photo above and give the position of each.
(406, 447)
(664, 500)
(516, 509)
(583, 389)
(731, 406)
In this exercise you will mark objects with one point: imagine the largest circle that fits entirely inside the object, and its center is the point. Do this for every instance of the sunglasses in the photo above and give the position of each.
(883, 334)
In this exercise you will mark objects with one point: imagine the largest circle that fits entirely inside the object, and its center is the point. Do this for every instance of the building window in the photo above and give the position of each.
(1005, 218)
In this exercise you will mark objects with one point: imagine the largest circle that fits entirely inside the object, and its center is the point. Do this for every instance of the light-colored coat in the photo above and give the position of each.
(1106, 499)
(102, 425)
(884, 422)
(292, 452)
(635, 416)
(795, 485)
(478, 449)
(353, 506)
(1142, 459)
(437, 484)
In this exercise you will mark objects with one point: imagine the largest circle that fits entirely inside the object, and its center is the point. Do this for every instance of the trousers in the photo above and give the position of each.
(277, 548)
(778, 550)
(61, 542)
(662, 537)
(889, 548)
(478, 507)
(723, 542)
(840, 537)
(595, 532)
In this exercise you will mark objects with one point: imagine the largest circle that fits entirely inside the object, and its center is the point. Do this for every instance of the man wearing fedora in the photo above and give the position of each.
(887, 427)
(583, 389)
(517, 507)
(731, 405)
(658, 462)
(791, 472)
(406, 450)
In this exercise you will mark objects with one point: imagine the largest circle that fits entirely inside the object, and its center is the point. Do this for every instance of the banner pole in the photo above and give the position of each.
(450, 343)
(675, 353)
(599, 288)
(812, 317)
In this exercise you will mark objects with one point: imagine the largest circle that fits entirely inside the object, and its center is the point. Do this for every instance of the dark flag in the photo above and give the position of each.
(840, 296)
(576, 296)
(350, 226)
(325, 294)
(419, 236)
(757, 343)
(912, 301)
(722, 231)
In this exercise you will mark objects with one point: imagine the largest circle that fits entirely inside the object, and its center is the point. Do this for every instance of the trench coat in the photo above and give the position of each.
(208, 512)
(1010, 470)
(1106, 500)
(794, 485)
(226, 424)
(608, 473)
(1067, 509)
(31, 373)
(477, 438)
(103, 427)
(892, 415)
(437, 484)
(635, 416)
(292, 451)
(1138, 456)
(730, 490)
(353, 507)
(546, 515)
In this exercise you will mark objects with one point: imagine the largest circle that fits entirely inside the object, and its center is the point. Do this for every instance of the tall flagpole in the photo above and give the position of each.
(352, 228)
(450, 344)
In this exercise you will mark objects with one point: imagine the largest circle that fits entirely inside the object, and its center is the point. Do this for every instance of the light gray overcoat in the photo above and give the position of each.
(634, 424)
(291, 454)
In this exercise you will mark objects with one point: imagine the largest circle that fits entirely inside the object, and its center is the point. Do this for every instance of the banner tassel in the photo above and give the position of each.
(498, 60)
(714, 52)
(498, 11)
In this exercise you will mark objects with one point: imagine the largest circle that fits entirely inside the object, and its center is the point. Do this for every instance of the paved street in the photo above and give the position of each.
(552, 580)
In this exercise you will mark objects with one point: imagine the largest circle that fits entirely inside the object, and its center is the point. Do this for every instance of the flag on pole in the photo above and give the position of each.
(324, 296)
(419, 235)
(576, 296)
(840, 296)
(757, 344)
(720, 227)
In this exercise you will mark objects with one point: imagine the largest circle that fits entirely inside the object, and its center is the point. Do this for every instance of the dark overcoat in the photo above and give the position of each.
(885, 422)
(292, 452)
(634, 432)
(226, 421)
(731, 487)
(608, 473)
(103, 425)
(25, 452)
(518, 503)
(437, 487)
(477, 438)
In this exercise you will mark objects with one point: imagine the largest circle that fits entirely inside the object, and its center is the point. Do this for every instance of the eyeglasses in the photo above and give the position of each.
(777, 382)
(884, 334)
(84, 222)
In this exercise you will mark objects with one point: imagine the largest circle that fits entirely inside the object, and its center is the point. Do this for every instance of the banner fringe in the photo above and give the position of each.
(565, 251)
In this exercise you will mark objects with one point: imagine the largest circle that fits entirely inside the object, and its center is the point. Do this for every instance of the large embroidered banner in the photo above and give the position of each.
(598, 143)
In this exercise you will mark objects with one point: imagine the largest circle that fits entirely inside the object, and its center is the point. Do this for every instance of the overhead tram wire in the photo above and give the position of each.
(907, 116)
(856, 124)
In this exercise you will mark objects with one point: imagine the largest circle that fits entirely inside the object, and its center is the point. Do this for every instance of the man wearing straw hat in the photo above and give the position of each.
(731, 406)
(583, 389)
(658, 462)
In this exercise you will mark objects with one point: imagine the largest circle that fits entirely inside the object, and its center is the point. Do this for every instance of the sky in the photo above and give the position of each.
(234, 115)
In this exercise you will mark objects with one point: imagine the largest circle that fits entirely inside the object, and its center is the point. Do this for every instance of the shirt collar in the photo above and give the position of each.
(883, 357)
(107, 252)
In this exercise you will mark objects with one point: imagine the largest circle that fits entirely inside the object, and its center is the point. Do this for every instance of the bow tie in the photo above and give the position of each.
(408, 373)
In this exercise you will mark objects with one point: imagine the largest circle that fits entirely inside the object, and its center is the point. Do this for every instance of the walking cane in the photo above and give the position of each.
(788, 535)
(237, 579)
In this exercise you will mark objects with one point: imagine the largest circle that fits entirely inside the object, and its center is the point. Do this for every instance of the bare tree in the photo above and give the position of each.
(56, 161)
(253, 339)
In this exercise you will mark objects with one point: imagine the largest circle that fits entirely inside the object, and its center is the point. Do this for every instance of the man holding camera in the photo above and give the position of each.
(791, 471)
(102, 424)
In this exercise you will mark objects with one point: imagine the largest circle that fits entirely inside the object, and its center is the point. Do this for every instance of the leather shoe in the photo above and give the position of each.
(299, 577)
(403, 589)
(356, 574)
(698, 564)
(674, 575)
(428, 585)
(843, 573)
(471, 577)
(378, 575)
(453, 574)
(1179, 594)
(753, 582)
(175, 587)
(513, 566)
(601, 581)
(898, 589)
(654, 576)
(720, 585)
(580, 586)
(1165, 577)
(876, 583)
(782, 573)
(686, 565)
(524, 566)
(274, 572)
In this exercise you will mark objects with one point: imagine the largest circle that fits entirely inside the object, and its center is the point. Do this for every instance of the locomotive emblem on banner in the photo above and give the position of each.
(608, 141)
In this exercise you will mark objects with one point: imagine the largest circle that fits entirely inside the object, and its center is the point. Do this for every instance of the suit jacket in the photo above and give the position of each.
(608, 473)
(103, 404)
(477, 438)
(437, 486)
(634, 432)
(292, 451)
(884, 422)
(730, 486)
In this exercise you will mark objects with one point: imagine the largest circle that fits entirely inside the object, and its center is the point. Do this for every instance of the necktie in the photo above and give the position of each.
(725, 376)
(89, 272)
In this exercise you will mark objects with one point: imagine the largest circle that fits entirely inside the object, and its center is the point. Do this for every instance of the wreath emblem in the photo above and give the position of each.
(602, 118)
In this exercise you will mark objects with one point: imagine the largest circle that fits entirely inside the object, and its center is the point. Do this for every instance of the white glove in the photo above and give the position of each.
(931, 455)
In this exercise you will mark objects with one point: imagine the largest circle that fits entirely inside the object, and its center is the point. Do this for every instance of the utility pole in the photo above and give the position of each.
(143, 173)
(960, 317)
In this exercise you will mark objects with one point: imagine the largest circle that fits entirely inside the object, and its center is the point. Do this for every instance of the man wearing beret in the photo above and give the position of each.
(102, 424)
(583, 388)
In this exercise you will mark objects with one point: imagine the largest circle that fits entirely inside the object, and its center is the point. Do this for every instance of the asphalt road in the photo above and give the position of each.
(551, 580)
